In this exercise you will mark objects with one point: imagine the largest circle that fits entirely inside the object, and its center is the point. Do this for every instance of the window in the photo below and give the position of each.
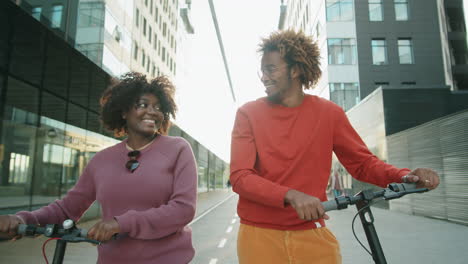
(155, 43)
(163, 54)
(36, 12)
(342, 51)
(144, 26)
(405, 51)
(375, 10)
(137, 17)
(135, 52)
(379, 52)
(150, 34)
(156, 12)
(401, 10)
(164, 29)
(56, 16)
(151, 7)
(143, 59)
(91, 14)
(345, 95)
(340, 10)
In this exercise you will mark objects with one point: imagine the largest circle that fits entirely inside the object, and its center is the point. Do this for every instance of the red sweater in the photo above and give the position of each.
(276, 148)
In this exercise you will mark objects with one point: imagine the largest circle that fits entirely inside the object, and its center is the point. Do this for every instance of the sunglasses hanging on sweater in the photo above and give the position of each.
(132, 164)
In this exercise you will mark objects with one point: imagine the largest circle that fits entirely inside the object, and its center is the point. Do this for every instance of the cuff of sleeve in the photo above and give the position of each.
(402, 173)
(27, 217)
(282, 190)
(124, 222)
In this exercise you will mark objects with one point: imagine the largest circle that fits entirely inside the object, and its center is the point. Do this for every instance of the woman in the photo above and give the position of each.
(146, 184)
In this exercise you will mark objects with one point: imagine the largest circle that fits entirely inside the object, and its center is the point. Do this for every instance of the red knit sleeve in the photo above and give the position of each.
(244, 178)
(356, 157)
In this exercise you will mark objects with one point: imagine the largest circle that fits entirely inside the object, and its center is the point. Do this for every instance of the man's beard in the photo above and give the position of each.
(276, 98)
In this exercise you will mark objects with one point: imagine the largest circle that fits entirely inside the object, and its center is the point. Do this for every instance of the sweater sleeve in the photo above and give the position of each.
(72, 206)
(356, 157)
(244, 178)
(169, 218)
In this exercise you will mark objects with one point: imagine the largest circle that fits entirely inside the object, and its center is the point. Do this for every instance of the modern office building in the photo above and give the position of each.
(367, 44)
(118, 36)
(400, 69)
(49, 92)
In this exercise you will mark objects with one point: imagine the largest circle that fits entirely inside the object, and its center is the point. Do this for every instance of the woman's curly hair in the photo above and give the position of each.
(124, 93)
(296, 49)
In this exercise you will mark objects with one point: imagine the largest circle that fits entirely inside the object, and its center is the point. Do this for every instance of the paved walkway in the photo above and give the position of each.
(27, 250)
(404, 238)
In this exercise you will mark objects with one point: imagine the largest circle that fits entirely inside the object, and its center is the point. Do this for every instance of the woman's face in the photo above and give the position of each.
(145, 116)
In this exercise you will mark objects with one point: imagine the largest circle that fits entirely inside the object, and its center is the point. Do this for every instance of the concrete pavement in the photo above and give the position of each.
(404, 238)
(28, 250)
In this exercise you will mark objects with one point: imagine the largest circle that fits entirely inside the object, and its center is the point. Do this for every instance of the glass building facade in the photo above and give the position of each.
(49, 110)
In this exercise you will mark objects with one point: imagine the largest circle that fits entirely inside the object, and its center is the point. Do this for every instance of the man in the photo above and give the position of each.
(281, 158)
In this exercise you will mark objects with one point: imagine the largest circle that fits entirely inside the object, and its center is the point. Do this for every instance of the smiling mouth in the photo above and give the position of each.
(269, 88)
(148, 121)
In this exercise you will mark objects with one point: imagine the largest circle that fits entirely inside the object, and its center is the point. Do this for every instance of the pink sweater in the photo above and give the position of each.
(153, 205)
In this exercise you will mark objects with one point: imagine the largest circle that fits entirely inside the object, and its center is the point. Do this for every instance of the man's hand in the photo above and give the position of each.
(423, 177)
(104, 230)
(9, 226)
(307, 207)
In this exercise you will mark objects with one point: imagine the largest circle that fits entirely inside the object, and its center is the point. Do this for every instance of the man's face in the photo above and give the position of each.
(275, 76)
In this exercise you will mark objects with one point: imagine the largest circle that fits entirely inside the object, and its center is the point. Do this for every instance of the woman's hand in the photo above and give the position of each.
(9, 226)
(104, 230)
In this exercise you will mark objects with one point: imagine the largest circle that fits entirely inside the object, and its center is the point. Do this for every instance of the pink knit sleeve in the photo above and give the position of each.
(72, 206)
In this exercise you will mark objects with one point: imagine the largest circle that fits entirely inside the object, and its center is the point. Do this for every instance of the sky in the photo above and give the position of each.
(206, 108)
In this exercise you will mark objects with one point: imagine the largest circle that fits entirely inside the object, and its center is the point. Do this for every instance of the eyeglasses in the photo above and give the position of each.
(145, 106)
(132, 164)
(269, 70)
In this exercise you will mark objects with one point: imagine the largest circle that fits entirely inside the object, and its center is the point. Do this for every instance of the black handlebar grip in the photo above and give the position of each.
(330, 205)
(400, 187)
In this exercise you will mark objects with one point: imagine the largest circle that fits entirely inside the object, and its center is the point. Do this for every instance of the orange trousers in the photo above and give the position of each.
(257, 245)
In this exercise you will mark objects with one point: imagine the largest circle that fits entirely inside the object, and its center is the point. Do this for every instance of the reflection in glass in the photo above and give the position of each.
(91, 14)
(405, 51)
(375, 10)
(342, 51)
(401, 10)
(202, 169)
(18, 140)
(340, 10)
(36, 12)
(56, 16)
(345, 95)
(379, 51)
